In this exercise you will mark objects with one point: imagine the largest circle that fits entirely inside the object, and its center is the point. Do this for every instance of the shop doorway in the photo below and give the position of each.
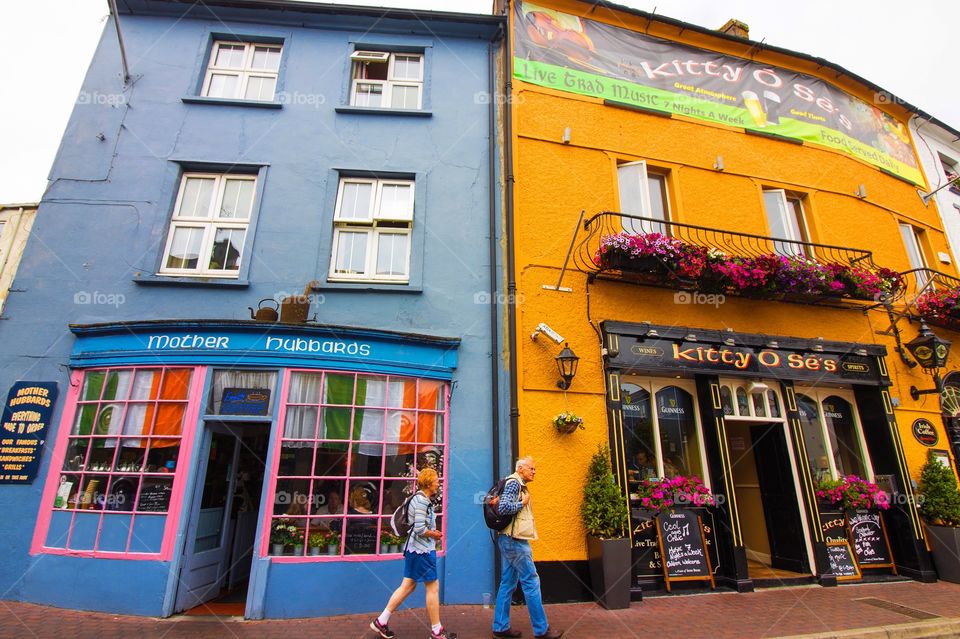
(764, 481)
(223, 519)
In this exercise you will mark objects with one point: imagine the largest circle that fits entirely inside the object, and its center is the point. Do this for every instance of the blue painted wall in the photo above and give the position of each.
(103, 222)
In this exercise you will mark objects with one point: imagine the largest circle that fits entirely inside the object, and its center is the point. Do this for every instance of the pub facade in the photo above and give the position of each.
(735, 239)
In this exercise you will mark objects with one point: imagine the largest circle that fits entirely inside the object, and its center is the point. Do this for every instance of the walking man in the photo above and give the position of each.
(419, 560)
(516, 558)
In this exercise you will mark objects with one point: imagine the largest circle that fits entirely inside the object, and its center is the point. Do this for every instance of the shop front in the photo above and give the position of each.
(236, 461)
(763, 420)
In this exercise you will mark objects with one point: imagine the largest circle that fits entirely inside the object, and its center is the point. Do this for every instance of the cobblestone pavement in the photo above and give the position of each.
(765, 613)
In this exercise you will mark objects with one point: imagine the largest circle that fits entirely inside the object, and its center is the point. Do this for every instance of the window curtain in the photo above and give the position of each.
(301, 421)
(241, 379)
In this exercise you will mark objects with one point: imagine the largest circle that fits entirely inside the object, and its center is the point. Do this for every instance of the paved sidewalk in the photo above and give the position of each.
(932, 609)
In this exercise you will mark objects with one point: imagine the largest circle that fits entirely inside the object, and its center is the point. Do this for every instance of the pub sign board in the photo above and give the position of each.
(23, 427)
(777, 363)
(245, 401)
(925, 432)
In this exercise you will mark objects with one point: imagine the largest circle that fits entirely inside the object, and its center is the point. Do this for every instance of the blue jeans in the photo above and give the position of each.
(516, 565)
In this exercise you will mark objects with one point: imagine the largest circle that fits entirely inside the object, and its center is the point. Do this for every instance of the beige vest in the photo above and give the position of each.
(522, 526)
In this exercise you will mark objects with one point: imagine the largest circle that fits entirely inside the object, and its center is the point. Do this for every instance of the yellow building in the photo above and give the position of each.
(16, 220)
(705, 221)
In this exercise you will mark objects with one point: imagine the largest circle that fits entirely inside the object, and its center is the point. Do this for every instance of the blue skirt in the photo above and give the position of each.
(420, 566)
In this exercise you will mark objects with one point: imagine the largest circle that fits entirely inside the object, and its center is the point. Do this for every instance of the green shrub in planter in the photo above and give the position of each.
(605, 517)
(941, 510)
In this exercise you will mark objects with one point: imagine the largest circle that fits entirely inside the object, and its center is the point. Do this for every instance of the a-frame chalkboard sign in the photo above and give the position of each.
(683, 547)
(868, 536)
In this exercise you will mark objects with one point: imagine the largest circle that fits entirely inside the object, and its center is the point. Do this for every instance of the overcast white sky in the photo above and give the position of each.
(909, 50)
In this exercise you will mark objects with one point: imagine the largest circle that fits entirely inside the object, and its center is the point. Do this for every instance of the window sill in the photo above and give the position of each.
(260, 104)
(417, 113)
(380, 287)
(182, 280)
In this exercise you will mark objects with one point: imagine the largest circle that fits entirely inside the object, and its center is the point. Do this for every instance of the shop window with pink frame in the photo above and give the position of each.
(351, 446)
(121, 456)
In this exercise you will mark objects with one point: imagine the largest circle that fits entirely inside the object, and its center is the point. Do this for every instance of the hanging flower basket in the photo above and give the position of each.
(566, 423)
(851, 492)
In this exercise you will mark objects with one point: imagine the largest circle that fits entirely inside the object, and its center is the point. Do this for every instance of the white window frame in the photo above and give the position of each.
(818, 395)
(655, 385)
(209, 224)
(797, 229)
(244, 73)
(646, 207)
(733, 384)
(371, 227)
(376, 57)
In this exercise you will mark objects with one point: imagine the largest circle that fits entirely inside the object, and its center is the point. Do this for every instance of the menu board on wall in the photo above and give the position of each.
(23, 426)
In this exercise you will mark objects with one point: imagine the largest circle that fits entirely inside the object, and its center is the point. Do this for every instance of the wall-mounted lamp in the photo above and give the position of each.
(729, 341)
(757, 386)
(690, 337)
(718, 163)
(773, 344)
(931, 353)
(567, 362)
(817, 345)
(861, 192)
(653, 333)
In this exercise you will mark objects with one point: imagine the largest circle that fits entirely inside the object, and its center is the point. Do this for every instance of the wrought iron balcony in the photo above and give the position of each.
(662, 253)
(933, 296)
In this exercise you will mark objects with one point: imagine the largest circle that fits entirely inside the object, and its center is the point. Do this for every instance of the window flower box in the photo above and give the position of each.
(940, 307)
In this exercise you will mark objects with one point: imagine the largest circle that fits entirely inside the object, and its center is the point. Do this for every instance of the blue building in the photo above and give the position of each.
(329, 165)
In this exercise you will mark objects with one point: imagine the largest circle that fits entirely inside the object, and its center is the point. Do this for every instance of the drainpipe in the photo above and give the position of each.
(508, 224)
(123, 49)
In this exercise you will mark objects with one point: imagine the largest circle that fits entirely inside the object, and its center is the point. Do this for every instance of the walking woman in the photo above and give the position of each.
(419, 560)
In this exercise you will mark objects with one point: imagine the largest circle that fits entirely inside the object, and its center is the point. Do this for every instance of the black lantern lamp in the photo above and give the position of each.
(567, 363)
(931, 353)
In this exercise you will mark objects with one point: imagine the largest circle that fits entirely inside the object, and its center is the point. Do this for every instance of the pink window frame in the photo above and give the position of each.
(191, 416)
(267, 508)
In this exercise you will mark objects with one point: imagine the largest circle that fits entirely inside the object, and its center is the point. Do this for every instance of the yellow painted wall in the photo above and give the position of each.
(555, 181)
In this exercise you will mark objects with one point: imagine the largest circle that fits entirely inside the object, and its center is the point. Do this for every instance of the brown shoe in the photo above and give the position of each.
(509, 632)
(551, 634)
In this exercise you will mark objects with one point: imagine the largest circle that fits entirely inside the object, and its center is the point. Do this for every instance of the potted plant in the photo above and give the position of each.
(296, 539)
(940, 509)
(333, 543)
(605, 517)
(852, 493)
(566, 423)
(316, 541)
(386, 538)
(395, 541)
(663, 493)
(281, 535)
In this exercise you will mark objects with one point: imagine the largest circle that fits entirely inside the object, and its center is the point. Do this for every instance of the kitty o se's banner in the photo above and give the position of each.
(569, 53)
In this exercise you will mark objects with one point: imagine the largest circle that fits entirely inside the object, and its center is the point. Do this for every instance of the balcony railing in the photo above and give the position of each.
(933, 296)
(652, 251)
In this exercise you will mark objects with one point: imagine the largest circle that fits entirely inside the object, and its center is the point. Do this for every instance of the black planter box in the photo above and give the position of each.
(610, 571)
(945, 545)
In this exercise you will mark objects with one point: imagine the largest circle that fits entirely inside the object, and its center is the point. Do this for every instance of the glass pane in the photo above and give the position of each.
(86, 415)
(679, 446)
(638, 439)
(146, 384)
(813, 438)
(392, 254)
(92, 385)
(406, 67)
(227, 246)
(101, 454)
(774, 404)
(93, 492)
(108, 419)
(237, 199)
(138, 421)
(842, 429)
(914, 254)
(779, 220)
(726, 399)
(296, 459)
(169, 420)
(336, 424)
(360, 536)
(404, 97)
(351, 252)
(175, 383)
(304, 388)
(396, 201)
(394, 492)
(657, 185)
(155, 494)
(259, 88)
(162, 455)
(292, 497)
(118, 384)
(67, 491)
(259, 386)
(368, 95)
(130, 458)
(399, 464)
(301, 422)
(356, 201)
(185, 248)
(630, 179)
(230, 55)
(122, 493)
(76, 457)
(339, 389)
(330, 463)
(759, 407)
(370, 70)
(743, 408)
(197, 194)
(223, 85)
(366, 460)
(266, 58)
(328, 499)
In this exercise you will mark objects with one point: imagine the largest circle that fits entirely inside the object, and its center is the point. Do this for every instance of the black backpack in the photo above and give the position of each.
(400, 521)
(491, 502)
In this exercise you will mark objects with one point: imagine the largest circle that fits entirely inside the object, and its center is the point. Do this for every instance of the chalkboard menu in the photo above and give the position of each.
(683, 547)
(23, 430)
(869, 537)
(842, 563)
(361, 537)
(245, 401)
(646, 546)
(155, 498)
(833, 526)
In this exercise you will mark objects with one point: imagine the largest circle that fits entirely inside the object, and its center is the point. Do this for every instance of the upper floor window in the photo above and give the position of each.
(912, 243)
(209, 225)
(242, 71)
(643, 192)
(786, 221)
(388, 80)
(949, 167)
(372, 226)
